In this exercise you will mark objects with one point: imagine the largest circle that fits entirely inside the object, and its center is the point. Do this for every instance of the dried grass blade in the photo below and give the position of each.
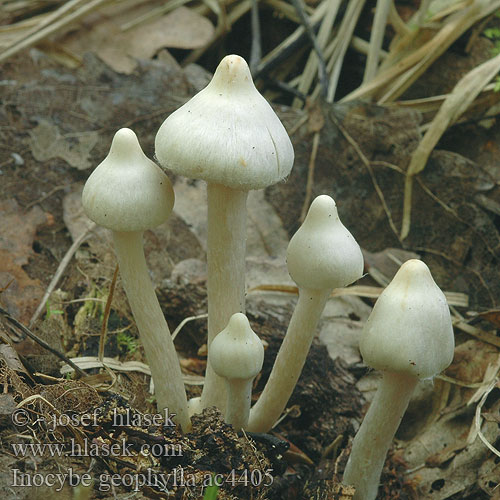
(397, 23)
(324, 33)
(362, 46)
(317, 15)
(419, 60)
(429, 106)
(55, 26)
(343, 40)
(376, 39)
(433, 49)
(462, 96)
(284, 8)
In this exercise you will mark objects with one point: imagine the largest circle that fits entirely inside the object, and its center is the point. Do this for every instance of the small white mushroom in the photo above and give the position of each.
(321, 256)
(408, 336)
(229, 136)
(237, 355)
(128, 194)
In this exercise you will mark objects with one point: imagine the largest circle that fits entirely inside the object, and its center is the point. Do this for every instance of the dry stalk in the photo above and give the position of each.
(457, 102)
(376, 39)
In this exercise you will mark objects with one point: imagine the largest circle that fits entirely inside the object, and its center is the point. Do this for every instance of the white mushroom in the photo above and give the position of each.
(229, 136)
(237, 355)
(321, 256)
(409, 336)
(128, 194)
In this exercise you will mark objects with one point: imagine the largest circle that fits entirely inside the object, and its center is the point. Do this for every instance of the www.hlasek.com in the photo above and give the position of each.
(95, 447)
(162, 482)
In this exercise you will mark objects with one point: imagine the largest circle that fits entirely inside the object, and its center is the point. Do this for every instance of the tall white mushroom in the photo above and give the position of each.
(237, 355)
(321, 256)
(409, 336)
(128, 194)
(229, 136)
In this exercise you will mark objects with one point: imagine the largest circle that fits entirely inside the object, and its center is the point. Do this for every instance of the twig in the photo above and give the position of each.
(310, 176)
(478, 333)
(312, 37)
(324, 33)
(185, 321)
(43, 198)
(369, 292)
(458, 264)
(107, 309)
(285, 87)
(368, 166)
(291, 44)
(60, 270)
(39, 341)
(476, 426)
(301, 121)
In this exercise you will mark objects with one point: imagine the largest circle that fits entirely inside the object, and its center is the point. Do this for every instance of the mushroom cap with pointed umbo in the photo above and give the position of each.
(237, 352)
(409, 329)
(127, 191)
(323, 254)
(226, 134)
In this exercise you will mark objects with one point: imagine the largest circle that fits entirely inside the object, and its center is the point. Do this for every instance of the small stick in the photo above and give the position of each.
(290, 45)
(312, 37)
(310, 176)
(44, 197)
(39, 341)
(107, 310)
(60, 270)
(324, 33)
(285, 87)
(368, 166)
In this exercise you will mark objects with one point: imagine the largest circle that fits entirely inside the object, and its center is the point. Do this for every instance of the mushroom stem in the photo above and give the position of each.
(226, 247)
(153, 329)
(239, 397)
(370, 446)
(290, 360)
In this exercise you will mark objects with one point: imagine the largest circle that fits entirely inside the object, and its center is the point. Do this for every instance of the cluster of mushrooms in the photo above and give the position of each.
(408, 335)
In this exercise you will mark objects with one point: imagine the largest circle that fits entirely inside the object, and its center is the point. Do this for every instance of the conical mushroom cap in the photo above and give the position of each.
(409, 329)
(237, 352)
(227, 134)
(323, 254)
(127, 191)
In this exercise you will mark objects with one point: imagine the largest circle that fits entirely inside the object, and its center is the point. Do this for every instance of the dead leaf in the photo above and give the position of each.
(11, 358)
(7, 407)
(182, 28)
(47, 143)
(17, 233)
(316, 120)
(74, 217)
(493, 316)
(445, 454)
(471, 360)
